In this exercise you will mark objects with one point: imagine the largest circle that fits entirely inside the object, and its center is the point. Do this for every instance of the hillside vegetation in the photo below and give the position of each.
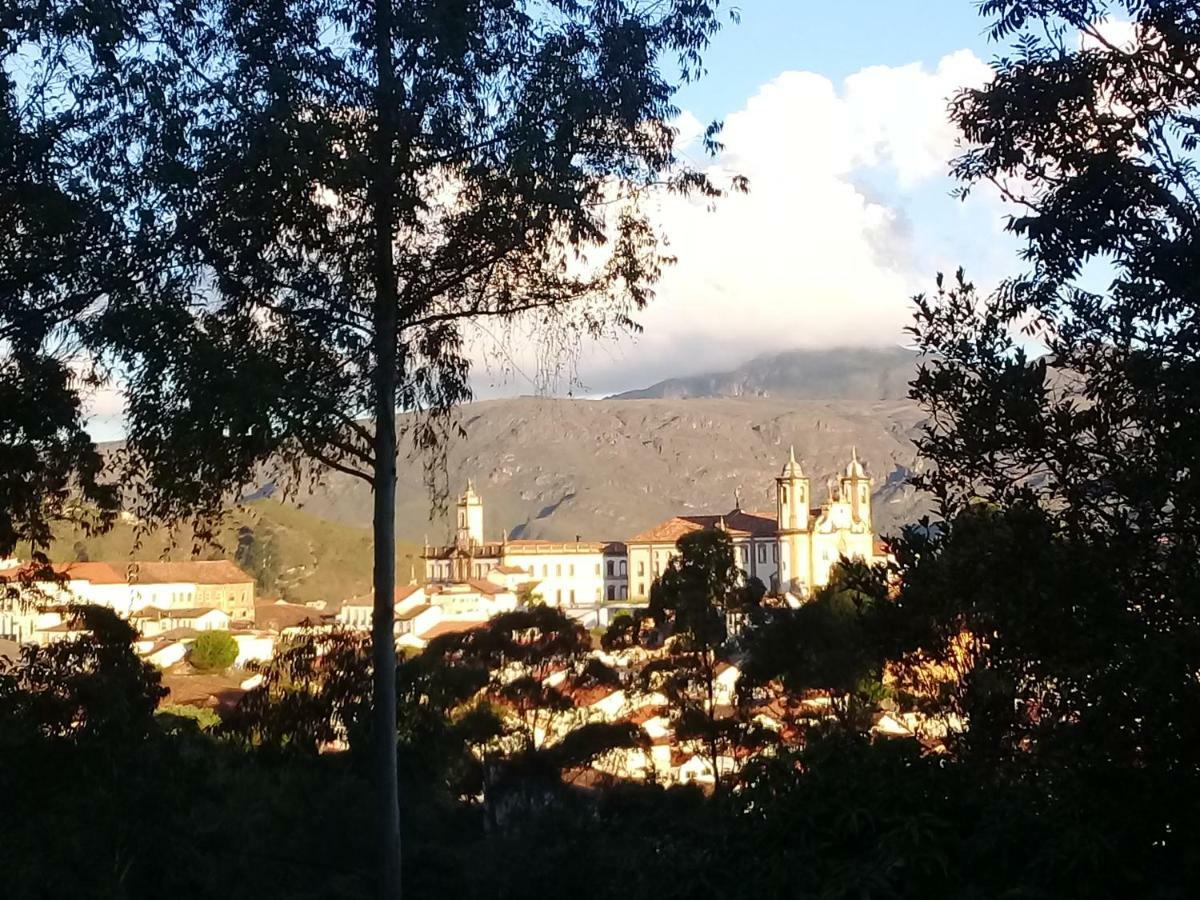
(297, 556)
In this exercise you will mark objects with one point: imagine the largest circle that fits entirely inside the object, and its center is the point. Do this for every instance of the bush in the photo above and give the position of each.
(175, 717)
(213, 650)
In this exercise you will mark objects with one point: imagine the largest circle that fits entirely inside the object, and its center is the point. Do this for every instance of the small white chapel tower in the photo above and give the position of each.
(469, 531)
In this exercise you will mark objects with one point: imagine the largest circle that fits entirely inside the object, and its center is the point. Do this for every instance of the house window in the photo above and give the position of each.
(571, 570)
(558, 569)
(762, 553)
(598, 595)
(597, 570)
(641, 567)
(624, 592)
(572, 596)
(612, 592)
(558, 596)
(624, 570)
(745, 556)
(783, 493)
(545, 571)
(641, 589)
(610, 568)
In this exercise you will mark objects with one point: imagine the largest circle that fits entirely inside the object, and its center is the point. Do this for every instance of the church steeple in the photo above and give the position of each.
(792, 495)
(855, 489)
(469, 526)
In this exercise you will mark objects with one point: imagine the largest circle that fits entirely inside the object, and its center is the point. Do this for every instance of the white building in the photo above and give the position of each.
(126, 588)
(563, 573)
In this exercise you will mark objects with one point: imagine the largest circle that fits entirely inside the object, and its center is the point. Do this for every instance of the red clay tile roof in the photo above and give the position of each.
(451, 627)
(95, 572)
(487, 587)
(202, 690)
(588, 696)
(217, 571)
(404, 591)
(738, 523)
(410, 614)
(214, 571)
(509, 570)
(285, 615)
(645, 714)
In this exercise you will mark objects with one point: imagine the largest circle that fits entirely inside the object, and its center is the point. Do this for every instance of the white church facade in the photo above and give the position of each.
(791, 549)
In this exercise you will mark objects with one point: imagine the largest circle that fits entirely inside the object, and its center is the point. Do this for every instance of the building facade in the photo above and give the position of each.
(562, 573)
(790, 549)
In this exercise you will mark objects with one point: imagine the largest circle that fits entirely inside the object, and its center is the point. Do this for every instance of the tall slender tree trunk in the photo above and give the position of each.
(383, 641)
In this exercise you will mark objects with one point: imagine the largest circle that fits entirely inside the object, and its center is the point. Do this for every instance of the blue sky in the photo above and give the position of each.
(837, 113)
(835, 39)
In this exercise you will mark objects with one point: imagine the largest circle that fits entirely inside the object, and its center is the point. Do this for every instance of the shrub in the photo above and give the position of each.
(213, 650)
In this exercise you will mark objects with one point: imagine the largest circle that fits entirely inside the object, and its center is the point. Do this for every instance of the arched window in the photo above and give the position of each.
(783, 493)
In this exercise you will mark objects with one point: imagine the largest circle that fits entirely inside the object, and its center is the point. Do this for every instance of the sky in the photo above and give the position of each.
(837, 114)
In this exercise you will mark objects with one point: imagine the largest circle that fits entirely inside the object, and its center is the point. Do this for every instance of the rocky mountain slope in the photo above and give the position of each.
(607, 469)
(845, 373)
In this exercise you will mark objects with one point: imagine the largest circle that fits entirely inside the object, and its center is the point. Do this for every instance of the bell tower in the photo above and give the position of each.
(792, 495)
(855, 489)
(469, 524)
(793, 498)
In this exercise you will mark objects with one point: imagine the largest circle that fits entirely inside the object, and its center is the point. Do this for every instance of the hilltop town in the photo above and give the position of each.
(788, 552)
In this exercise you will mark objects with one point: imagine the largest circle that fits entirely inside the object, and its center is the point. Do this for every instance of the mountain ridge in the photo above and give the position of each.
(835, 373)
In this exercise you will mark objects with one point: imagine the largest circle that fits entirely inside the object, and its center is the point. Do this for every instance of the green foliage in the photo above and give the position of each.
(527, 595)
(90, 689)
(318, 559)
(175, 716)
(837, 643)
(213, 650)
(258, 556)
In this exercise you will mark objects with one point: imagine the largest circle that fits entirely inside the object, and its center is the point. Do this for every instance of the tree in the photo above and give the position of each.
(527, 596)
(837, 643)
(691, 604)
(320, 198)
(91, 689)
(213, 650)
(259, 558)
(48, 462)
(1068, 555)
(531, 668)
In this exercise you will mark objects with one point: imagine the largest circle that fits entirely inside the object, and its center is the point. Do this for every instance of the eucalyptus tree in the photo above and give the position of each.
(318, 200)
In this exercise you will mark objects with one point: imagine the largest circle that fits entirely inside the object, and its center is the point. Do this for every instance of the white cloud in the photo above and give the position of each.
(848, 215)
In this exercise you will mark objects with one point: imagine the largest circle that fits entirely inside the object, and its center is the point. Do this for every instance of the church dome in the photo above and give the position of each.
(792, 468)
